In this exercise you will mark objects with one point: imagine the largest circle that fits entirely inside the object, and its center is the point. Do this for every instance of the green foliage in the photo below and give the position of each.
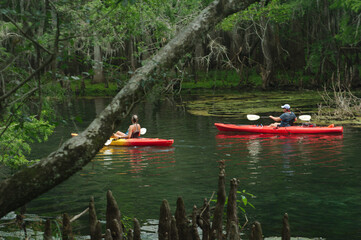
(97, 89)
(353, 5)
(16, 140)
(220, 80)
(350, 26)
(275, 11)
(244, 200)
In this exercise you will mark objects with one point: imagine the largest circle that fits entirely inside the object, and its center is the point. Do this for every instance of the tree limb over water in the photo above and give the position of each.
(75, 153)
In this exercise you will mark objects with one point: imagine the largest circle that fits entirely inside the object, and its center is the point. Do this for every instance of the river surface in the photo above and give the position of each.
(314, 178)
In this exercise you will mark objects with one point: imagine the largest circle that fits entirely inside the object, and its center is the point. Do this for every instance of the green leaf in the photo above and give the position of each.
(245, 201)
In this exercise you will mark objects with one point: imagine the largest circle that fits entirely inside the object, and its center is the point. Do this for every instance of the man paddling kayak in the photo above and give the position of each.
(133, 130)
(286, 119)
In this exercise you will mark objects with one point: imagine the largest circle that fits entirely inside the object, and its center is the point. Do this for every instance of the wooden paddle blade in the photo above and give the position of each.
(252, 117)
(305, 117)
(143, 131)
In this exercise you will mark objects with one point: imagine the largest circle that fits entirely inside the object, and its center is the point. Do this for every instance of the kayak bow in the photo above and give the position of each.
(128, 142)
(142, 142)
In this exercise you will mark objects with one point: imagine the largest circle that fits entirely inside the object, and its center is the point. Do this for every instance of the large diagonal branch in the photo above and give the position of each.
(78, 151)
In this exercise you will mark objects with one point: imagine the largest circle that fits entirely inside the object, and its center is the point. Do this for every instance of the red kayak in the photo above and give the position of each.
(278, 130)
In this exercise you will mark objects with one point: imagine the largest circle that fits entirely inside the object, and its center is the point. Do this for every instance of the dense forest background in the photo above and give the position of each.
(53, 48)
(294, 42)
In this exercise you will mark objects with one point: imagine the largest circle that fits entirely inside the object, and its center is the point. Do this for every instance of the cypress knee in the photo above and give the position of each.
(173, 230)
(232, 205)
(233, 232)
(116, 230)
(47, 230)
(67, 230)
(136, 224)
(164, 226)
(92, 218)
(108, 235)
(216, 230)
(130, 235)
(181, 219)
(286, 231)
(113, 212)
(97, 231)
(195, 235)
(256, 231)
(204, 221)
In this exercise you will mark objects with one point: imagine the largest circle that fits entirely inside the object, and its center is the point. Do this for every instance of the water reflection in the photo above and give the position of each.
(286, 152)
(133, 160)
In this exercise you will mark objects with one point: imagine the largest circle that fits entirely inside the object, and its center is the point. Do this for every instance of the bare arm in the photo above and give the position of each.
(130, 131)
(276, 119)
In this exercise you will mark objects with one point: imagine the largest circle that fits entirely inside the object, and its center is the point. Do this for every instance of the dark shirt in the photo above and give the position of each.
(136, 133)
(288, 119)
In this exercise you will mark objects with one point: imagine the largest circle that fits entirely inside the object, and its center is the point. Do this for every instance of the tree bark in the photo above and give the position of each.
(98, 65)
(75, 153)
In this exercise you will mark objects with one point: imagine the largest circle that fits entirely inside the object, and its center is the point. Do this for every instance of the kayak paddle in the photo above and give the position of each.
(253, 117)
(109, 141)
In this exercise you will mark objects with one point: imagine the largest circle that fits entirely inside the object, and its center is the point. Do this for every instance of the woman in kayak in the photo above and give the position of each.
(133, 130)
(286, 119)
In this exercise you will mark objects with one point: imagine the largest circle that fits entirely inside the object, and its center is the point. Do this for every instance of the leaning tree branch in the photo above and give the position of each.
(75, 153)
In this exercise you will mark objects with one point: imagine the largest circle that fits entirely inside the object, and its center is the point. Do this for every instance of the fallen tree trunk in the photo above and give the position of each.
(75, 153)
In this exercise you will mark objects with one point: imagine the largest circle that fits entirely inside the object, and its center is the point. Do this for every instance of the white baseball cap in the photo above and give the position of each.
(286, 106)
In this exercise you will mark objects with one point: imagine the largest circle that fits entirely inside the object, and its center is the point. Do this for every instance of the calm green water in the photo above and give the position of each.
(315, 179)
